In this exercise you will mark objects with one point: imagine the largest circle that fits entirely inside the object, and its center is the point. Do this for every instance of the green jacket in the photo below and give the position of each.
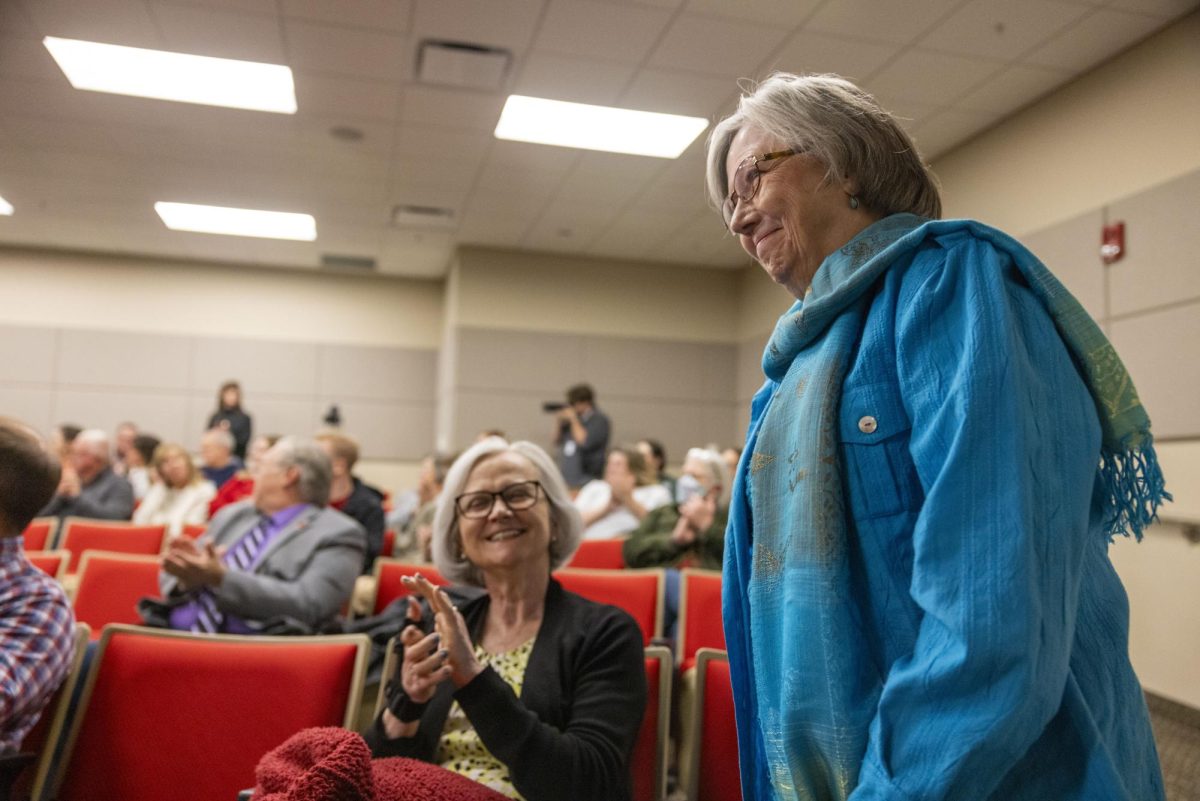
(650, 545)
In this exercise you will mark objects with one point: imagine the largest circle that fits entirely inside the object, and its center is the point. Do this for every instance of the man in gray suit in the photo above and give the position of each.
(89, 486)
(281, 562)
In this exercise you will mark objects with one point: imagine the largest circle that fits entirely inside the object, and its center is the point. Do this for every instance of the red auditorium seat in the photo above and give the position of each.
(387, 580)
(599, 554)
(648, 763)
(81, 535)
(52, 563)
(638, 592)
(110, 585)
(169, 714)
(194, 531)
(389, 543)
(39, 534)
(700, 624)
(714, 762)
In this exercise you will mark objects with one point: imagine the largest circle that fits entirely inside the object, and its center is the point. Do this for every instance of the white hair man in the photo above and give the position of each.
(89, 487)
(218, 464)
(282, 562)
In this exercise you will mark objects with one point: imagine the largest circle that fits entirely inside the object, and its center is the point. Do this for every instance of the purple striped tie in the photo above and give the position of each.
(239, 557)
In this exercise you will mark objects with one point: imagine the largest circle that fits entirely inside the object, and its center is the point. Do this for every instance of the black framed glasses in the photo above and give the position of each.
(516, 497)
(746, 179)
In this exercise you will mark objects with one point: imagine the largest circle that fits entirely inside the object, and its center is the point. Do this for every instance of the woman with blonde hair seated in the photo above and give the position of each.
(180, 497)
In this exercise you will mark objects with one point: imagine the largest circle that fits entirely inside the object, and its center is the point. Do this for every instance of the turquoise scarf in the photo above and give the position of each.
(800, 516)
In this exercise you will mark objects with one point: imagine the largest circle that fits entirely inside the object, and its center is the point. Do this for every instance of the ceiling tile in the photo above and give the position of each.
(932, 78)
(433, 144)
(335, 96)
(785, 13)
(265, 7)
(378, 15)
(702, 241)
(14, 21)
(882, 20)
(948, 129)
(533, 157)
(124, 22)
(567, 227)
(27, 58)
(1093, 39)
(535, 179)
(678, 93)
(498, 23)
(572, 79)
(1002, 30)
(52, 134)
(716, 46)
(417, 254)
(342, 238)
(1014, 88)
(856, 59)
(223, 34)
(347, 51)
(452, 108)
(1167, 9)
(601, 30)
(410, 178)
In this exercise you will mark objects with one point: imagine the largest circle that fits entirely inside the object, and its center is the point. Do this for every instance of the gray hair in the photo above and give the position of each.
(316, 472)
(221, 437)
(96, 441)
(717, 470)
(566, 525)
(833, 120)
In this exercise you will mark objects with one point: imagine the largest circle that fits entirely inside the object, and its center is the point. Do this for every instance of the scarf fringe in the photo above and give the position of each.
(1134, 489)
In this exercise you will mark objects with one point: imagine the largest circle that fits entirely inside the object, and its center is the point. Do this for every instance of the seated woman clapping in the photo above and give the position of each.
(529, 689)
(613, 507)
(181, 495)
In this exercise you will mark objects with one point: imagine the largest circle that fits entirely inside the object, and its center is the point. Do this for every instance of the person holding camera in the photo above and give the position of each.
(527, 688)
(581, 434)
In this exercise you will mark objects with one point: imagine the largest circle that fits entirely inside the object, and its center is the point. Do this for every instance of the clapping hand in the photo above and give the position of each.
(192, 565)
(451, 630)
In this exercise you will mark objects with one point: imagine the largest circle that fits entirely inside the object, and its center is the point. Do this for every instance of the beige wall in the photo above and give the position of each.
(107, 292)
(1131, 124)
(540, 292)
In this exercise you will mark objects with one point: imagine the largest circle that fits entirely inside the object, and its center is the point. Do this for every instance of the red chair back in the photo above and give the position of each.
(715, 770)
(638, 592)
(389, 543)
(110, 585)
(168, 714)
(52, 563)
(81, 535)
(700, 623)
(38, 535)
(39, 741)
(648, 763)
(599, 555)
(387, 580)
(194, 531)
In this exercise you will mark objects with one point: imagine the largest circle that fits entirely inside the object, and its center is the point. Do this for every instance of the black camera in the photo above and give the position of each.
(550, 407)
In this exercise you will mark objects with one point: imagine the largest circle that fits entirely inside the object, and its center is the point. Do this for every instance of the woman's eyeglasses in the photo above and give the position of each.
(516, 497)
(746, 179)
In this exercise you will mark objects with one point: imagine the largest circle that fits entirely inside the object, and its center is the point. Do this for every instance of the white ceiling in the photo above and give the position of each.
(83, 169)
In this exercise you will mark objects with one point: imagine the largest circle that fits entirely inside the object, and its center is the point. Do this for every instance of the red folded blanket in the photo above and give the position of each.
(332, 764)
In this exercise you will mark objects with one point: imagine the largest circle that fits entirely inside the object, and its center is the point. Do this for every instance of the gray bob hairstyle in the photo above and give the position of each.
(566, 526)
(833, 120)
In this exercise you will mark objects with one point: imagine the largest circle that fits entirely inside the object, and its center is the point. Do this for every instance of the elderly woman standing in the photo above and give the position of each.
(918, 600)
(528, 689)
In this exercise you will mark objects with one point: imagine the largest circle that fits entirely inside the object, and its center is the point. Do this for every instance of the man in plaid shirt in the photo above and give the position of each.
(36, 624)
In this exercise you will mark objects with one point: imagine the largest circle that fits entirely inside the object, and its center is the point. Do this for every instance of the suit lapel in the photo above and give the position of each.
(298, 524)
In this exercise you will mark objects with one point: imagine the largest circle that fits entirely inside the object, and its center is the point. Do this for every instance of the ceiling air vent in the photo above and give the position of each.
(462, 64)
(333, 261)
(411, 216)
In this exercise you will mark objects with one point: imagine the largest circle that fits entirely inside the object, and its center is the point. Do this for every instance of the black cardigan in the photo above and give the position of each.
(571, 733)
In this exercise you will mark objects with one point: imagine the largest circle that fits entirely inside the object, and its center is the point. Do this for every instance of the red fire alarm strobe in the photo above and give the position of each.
(1112, 242)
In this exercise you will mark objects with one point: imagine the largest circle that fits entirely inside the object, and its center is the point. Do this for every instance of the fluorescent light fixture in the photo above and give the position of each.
(161, 75)
(615, 130)
(237, 222)
(5, 207)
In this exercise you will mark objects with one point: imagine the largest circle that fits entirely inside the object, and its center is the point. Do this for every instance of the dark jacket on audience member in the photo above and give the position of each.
(650, 544)
(239, 425)
(570, 734)
(365, 504)
(105, 497)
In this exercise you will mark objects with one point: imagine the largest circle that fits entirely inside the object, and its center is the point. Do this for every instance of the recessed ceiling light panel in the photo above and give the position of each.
(184, 78)
(237, 222)
(614, 130)
(5, 207)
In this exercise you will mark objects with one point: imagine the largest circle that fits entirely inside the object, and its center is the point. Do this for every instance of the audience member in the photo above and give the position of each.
(139, 475)
(230, 417)
(61, 438)
(614, 505)
(581, 436)
(490, 432)
(691, 531)
(217, 457)
(414, 539)
(279, 563)
(241, 486)
(656, 459)
(349, 495)
(732, 455)
(181, 495)
(122, 445)
(36, 624)
(89, 487)
(528, 689)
